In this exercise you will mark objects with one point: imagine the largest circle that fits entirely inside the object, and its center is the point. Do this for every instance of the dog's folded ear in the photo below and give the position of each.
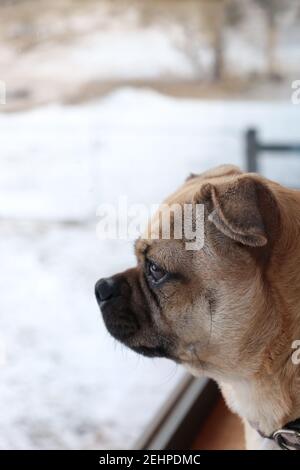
(242, 209)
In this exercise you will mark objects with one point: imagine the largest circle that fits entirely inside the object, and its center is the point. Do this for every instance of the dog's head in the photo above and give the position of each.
(202, 308)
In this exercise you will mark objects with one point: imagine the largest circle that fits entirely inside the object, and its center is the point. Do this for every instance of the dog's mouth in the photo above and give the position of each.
(133, 329)
(119, 320)
(124, 326)
(155, 351)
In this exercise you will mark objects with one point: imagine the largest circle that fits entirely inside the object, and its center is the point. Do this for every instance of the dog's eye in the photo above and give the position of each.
(155, 272)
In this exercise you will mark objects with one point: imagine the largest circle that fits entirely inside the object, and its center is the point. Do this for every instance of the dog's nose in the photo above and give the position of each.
(106, 289)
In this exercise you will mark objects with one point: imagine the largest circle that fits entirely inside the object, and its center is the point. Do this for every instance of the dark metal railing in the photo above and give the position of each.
(254, 147)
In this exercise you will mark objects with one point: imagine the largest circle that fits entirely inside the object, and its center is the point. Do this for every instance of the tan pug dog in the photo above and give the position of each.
(231, 310)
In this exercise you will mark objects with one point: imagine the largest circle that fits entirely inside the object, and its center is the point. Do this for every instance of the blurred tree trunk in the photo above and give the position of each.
(272, 42)
(219, 41)
(214, 22)
(272, 10)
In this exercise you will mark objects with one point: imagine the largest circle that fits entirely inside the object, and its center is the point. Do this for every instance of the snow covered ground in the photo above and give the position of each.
(66, 383)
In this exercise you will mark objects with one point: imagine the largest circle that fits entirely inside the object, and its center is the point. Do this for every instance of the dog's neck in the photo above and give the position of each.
(265, 405)
(270, 398)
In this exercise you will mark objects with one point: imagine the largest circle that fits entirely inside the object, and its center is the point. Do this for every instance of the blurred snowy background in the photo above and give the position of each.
(102, 95)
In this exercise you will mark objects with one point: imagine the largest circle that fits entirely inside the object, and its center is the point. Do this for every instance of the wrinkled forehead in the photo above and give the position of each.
(162, 236)
(175, 205)
(188, 193)
(166, 253)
